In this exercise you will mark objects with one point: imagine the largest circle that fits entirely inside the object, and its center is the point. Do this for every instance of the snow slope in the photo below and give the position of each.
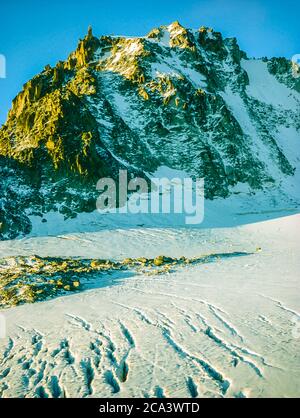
(265, 88)
(225, 328)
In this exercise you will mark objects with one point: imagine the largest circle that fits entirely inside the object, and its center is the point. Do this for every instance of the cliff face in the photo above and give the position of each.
(186, 99)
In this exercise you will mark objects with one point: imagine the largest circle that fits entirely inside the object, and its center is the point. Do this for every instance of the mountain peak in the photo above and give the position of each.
(90, 32)
(180, 98)
(175, 25)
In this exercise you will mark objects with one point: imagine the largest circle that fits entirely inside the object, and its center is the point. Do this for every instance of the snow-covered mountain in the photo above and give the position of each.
(186, 99)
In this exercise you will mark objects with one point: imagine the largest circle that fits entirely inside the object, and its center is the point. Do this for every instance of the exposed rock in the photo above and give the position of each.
(140, 103)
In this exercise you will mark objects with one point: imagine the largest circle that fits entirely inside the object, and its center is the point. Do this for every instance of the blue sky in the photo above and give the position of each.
(35, 33)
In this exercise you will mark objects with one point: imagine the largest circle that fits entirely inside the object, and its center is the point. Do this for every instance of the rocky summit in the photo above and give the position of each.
(186, 99)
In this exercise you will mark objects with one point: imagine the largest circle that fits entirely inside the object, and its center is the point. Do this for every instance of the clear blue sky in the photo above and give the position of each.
(35, 33)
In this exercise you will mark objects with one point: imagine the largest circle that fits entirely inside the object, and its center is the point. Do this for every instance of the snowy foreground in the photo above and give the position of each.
(227, 328)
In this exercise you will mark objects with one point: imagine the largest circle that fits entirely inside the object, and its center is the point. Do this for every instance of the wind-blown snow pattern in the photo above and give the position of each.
(227, 327)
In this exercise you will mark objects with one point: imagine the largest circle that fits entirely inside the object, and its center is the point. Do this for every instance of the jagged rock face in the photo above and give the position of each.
(186, 99)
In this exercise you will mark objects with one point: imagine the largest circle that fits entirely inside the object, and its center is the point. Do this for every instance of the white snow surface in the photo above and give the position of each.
(227, 328)
(173, 66)
(266, 88)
